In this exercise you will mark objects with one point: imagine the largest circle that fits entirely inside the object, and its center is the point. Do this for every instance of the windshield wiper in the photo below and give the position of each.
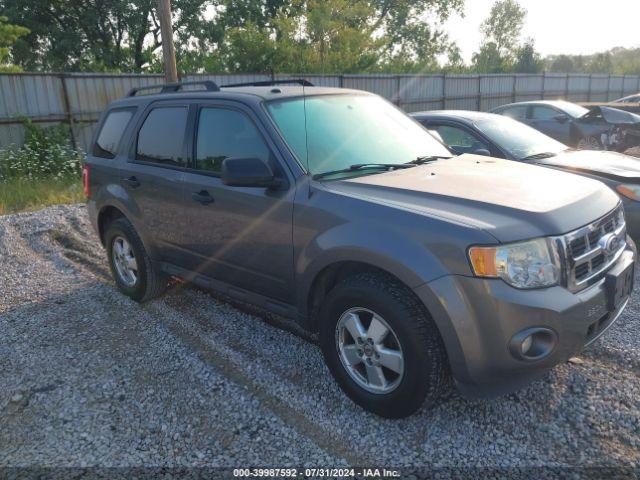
(361, 166)
(426, 159)
(540, 156)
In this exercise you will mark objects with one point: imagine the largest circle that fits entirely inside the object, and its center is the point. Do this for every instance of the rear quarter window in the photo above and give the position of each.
(110, 134)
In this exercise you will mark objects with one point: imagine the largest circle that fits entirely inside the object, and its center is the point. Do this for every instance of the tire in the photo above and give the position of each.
(589, 143)
(425, 371)
(149, 281)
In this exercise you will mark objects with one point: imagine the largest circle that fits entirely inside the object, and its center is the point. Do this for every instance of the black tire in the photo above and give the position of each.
(589, 143)
(426, 369)
(150, 282)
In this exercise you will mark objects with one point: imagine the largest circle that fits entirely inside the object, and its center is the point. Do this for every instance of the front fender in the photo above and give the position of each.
(395, 252)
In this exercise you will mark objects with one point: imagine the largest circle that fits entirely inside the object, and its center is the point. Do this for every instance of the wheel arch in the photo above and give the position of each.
(106, 216)
(332, 273)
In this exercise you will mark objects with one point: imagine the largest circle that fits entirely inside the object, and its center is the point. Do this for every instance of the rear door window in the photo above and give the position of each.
(161, 137)
(111, 132)
(225, 133)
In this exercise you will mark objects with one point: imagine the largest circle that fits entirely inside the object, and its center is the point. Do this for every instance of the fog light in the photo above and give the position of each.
(533, 343)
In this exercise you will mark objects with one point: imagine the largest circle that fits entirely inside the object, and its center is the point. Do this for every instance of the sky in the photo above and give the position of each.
(558, 26)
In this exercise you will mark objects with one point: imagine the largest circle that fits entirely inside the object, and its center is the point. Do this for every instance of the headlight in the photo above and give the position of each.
(630, 191)
(530, 264)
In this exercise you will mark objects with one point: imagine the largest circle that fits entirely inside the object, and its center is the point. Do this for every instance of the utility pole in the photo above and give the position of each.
(168, 50)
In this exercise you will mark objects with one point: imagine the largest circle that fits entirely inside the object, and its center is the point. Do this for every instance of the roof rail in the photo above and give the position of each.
(174, 87)
(269, 83)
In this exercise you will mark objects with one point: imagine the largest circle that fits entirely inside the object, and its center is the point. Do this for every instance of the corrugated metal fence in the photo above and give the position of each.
(78, 99)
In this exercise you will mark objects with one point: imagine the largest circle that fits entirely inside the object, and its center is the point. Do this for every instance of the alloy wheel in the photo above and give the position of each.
(369, 350)
(124, 261)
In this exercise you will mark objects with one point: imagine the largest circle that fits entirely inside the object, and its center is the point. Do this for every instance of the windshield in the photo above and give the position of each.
(343, 130)
(518, 139)
(576, 111)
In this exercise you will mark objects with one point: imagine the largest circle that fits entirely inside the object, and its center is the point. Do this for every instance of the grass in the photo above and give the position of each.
(20, 195)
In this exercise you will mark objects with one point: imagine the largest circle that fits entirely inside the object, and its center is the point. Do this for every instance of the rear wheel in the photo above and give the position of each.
(133, 271)
(381, 346)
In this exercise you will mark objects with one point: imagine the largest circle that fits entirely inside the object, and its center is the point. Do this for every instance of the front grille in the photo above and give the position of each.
(592, 249)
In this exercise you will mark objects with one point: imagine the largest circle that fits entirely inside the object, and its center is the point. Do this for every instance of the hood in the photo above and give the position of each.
(615, 116)
(609, 164)
(510, 200)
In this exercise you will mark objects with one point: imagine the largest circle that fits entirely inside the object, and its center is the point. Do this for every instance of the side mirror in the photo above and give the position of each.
(247, 172)
(562, 118)
(482, 151)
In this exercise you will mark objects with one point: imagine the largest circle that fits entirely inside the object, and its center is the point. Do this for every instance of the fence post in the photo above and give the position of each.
(589, 92)
(608, 88)
(544, 84)
(566, 87)
(513, 89)
(67, 110)
(341, 80)
(624, 77)
(479, 95)
(444, 91)
(397, 90)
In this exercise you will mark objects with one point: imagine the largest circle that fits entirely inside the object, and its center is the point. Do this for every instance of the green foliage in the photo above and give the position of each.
(527, 59)
(234, 35)
(89, 35)
(46, 153)
(20, 194)
(618, 61)
(503, 26)
(501, 50)
(489, 59)
(9, 34)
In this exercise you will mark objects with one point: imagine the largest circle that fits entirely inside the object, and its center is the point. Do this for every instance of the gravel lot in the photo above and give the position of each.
(88, 377)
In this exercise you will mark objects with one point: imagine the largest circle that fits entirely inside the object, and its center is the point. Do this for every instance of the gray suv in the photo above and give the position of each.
(334, 208)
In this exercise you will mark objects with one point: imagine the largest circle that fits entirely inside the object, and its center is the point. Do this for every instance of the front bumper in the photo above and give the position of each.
(478, 318)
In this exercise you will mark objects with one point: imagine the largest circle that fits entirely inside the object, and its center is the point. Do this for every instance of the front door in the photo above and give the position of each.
(551, 122)
(240, 235)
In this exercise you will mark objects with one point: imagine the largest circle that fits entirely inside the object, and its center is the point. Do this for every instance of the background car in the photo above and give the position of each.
(503, 137)
(597, 128)
(629, 99)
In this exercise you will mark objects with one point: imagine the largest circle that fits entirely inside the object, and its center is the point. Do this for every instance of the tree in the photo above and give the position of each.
(489, 59)
(527, 59)
(9, 34)
(93, 35)
(233, 35)
(503, 25)
(501, 49)
(334, 36)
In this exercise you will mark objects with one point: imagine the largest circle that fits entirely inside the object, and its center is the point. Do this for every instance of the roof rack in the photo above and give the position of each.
(174, 87)
(269, 83)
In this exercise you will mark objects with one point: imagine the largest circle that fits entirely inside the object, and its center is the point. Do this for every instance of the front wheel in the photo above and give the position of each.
(381, 346)
(589, 143)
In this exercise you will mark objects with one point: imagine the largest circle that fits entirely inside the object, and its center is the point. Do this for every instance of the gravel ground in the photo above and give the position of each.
(90, 378)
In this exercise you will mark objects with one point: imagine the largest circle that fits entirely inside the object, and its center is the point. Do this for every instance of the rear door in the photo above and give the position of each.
(239, 235)
(154, 172)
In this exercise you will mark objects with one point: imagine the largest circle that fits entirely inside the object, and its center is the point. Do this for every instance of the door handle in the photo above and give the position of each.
(133, 182)
(202, 197)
